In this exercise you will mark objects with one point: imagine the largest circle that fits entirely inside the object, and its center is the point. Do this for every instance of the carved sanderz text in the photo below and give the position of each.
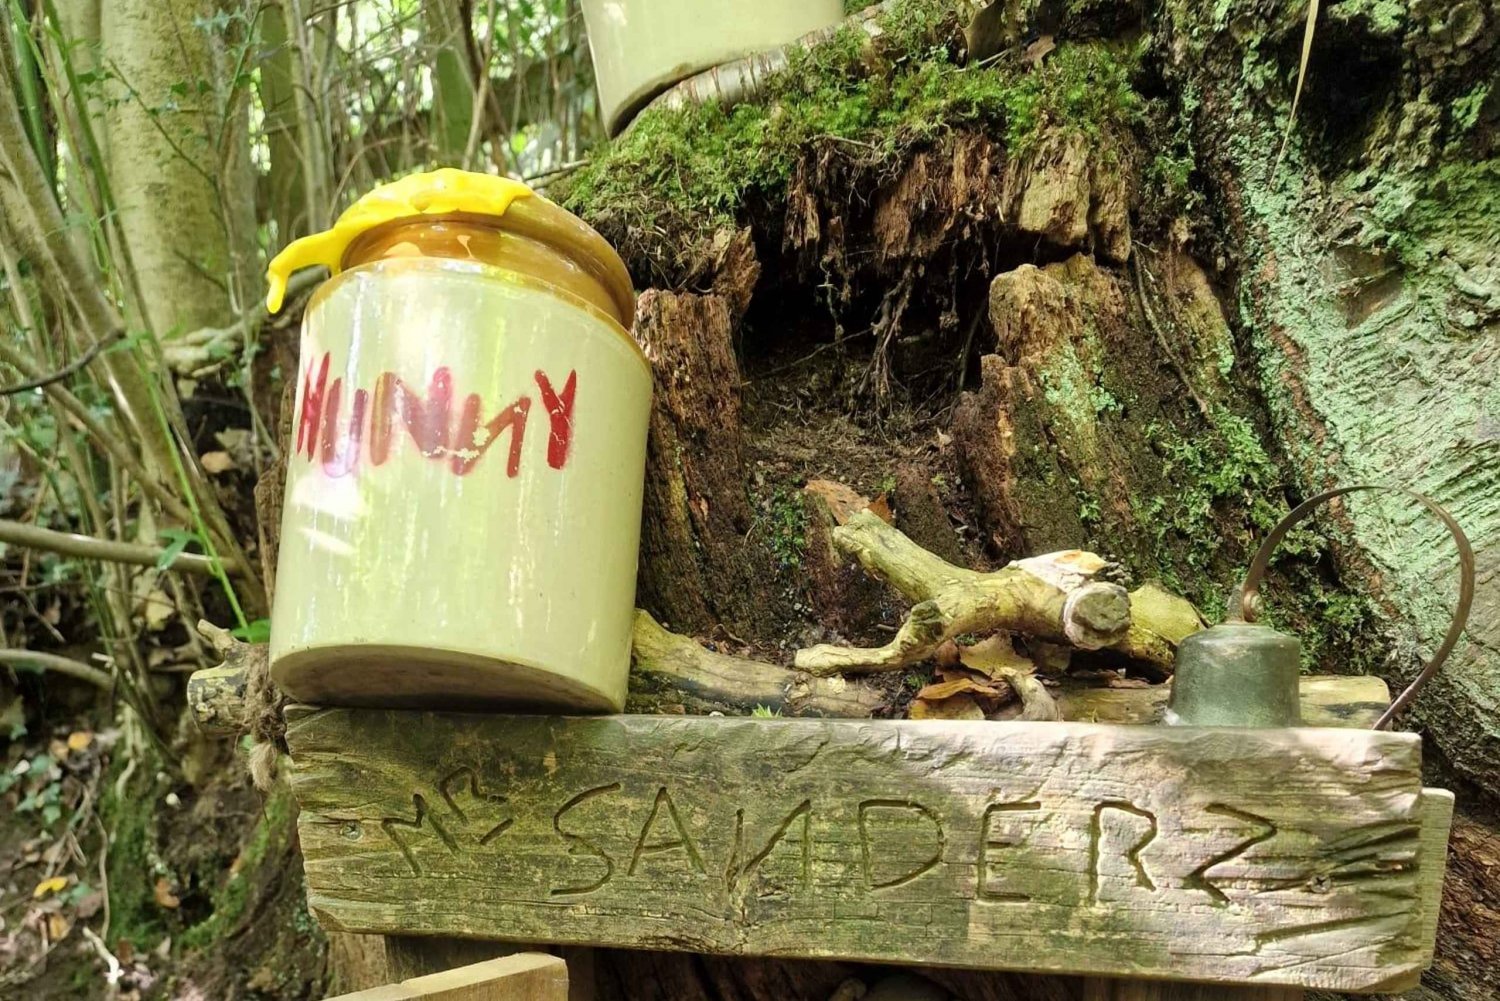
(885, 844)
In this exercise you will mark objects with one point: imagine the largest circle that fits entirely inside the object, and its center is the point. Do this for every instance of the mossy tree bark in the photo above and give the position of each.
(178, 151)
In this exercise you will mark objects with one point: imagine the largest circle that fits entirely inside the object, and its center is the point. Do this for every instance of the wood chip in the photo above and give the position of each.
(843, 502)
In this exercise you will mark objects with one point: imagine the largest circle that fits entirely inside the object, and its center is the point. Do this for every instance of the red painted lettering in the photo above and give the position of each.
(560, 414)
(312, 408)
(427, 419)
(341, 461)
(474, 439)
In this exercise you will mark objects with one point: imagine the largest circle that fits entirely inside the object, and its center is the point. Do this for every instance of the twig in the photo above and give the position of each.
(67, 370)
(88, 547)
(60, 665)
(1136, 268)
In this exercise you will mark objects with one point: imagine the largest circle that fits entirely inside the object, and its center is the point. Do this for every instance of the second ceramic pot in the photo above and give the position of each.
(641, 47)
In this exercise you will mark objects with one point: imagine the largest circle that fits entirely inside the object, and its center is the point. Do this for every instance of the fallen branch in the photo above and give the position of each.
(665, 659)
(1055, 597)
(87, 547)
(1061, 597)
(59, 665)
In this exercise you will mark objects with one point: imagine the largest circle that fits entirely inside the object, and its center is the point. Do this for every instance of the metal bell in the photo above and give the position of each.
(1237, 674)
(1240, 673)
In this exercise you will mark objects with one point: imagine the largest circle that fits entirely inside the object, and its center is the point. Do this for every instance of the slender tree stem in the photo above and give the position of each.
(86, 546)
(58, 665)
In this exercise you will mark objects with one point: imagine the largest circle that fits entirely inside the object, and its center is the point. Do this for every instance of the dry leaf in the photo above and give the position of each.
(46, 886)
(958, 686)
(216, 462)
(994, 656)
(158, 610)
(164, 895)
(881, 508)
(843, 502)
(79, 740)
(90, 904)
(58, 927)
(959, 707)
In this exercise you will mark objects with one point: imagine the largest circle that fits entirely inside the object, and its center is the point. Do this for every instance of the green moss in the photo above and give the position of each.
(133, 866)
(1223, 471)
(785, 522)
(231, 899)
(696, 167)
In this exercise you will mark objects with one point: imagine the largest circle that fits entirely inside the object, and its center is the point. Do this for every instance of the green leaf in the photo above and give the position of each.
(177, 542)
(258, 631)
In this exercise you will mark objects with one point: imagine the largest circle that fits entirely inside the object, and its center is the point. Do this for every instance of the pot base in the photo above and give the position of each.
(400, 677)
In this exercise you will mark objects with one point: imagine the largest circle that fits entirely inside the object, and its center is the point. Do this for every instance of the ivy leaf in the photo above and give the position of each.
(258, 631)
(177, 542)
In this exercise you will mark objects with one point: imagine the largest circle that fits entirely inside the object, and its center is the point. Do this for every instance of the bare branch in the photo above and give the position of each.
(87, 547)
(72, 367)
(58, 665)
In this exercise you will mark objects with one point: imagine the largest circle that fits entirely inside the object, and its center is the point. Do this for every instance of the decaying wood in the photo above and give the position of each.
(523, 976)
(217, 696)
(696, 512)
(1047, 847)
(1060, 597)
(661, 659)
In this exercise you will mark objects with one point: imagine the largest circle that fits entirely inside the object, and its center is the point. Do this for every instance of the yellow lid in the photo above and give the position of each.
(437, 192)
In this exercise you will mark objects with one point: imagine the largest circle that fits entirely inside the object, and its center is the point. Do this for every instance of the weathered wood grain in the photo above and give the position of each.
(523, 976)
(1270, 857)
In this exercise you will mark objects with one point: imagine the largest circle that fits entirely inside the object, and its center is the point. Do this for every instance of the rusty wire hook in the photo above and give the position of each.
(1244, 603)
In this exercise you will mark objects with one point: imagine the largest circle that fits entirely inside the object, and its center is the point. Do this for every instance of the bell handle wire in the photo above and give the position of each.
(1244, 602)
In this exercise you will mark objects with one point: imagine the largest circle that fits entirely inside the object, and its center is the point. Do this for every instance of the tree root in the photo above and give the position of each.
(1062, 597)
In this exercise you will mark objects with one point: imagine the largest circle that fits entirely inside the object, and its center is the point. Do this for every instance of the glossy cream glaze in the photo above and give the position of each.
(640, 47)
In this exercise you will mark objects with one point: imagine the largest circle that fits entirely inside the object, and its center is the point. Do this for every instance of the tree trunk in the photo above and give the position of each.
(452, 87)
(178, 157)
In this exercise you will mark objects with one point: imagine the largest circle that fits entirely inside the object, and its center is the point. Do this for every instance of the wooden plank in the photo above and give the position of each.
(1327, 700)
(1271, 857)
(523, 976)
(1151, 990)
(1436, 808)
